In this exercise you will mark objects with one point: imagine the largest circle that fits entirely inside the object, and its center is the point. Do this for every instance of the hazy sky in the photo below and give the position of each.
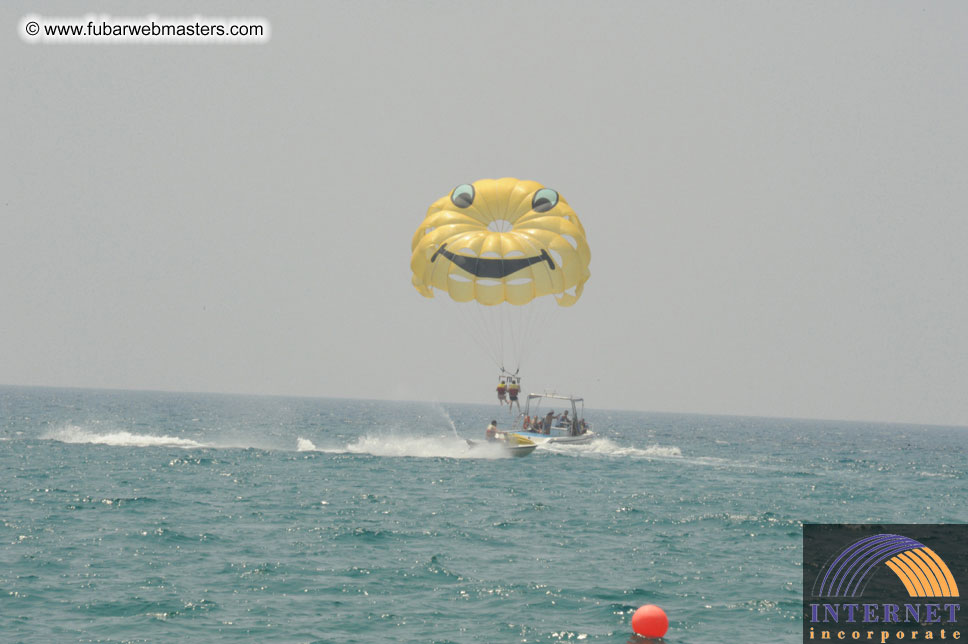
(774, 193)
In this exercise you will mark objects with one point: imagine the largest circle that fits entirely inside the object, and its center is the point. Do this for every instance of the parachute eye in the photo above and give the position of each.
(544, 200)
(463, 195)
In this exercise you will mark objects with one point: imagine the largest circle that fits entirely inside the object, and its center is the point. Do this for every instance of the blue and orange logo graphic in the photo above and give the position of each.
(919, 568)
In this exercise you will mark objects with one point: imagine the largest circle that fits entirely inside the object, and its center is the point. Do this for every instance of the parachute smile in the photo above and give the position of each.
(497, 241)
(488, 268)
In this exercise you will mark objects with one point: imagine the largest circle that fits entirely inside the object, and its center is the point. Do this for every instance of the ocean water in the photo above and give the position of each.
(157, 517)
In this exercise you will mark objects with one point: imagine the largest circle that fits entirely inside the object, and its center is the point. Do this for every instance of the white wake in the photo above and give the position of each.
(404, 446)
(77, 435)
(608, 448)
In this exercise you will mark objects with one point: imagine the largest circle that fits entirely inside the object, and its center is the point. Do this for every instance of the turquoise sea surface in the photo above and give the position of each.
(161, 517)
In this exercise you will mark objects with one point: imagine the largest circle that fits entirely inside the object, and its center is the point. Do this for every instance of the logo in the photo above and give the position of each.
(869, 583)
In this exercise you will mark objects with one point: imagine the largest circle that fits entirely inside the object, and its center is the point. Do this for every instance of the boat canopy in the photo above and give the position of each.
(534, 403)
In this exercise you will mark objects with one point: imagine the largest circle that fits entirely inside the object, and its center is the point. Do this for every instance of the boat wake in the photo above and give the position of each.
(606, 448)
(385, 445)
(408, 446)
(77, 435)
(450, 447)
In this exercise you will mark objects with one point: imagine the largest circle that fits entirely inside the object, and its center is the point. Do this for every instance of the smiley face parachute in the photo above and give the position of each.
(510, 250)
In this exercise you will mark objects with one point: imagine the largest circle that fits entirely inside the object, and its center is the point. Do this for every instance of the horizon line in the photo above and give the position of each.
(458, 402)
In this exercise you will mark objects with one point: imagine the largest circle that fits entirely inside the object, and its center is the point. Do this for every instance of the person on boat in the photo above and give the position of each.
(526, 423)
(513, 389)
(502, 392)
(491, 432)
(548, 421)
(563, 419)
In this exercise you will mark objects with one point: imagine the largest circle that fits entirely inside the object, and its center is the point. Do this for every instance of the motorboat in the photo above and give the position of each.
(511, 443)
(541, 425)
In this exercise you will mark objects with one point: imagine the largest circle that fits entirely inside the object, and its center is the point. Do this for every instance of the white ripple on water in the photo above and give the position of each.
(305, 445)
(78, 435)
(412, 446)
(608, 448)
(448, 447)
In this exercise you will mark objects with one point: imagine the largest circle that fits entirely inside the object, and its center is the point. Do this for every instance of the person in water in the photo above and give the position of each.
(502, 392)
(491, 432)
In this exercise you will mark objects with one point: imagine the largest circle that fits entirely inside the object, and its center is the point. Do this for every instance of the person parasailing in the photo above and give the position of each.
(506, 254)
(514, 388)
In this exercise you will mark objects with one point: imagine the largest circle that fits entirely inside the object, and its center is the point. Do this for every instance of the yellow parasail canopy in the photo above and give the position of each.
(501, 240)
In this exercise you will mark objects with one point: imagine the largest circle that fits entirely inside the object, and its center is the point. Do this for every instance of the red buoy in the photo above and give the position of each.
(650, 621)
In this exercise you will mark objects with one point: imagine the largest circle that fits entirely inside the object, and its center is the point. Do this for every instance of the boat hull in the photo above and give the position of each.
(520, 450)
(559, 439)
(515, 444)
